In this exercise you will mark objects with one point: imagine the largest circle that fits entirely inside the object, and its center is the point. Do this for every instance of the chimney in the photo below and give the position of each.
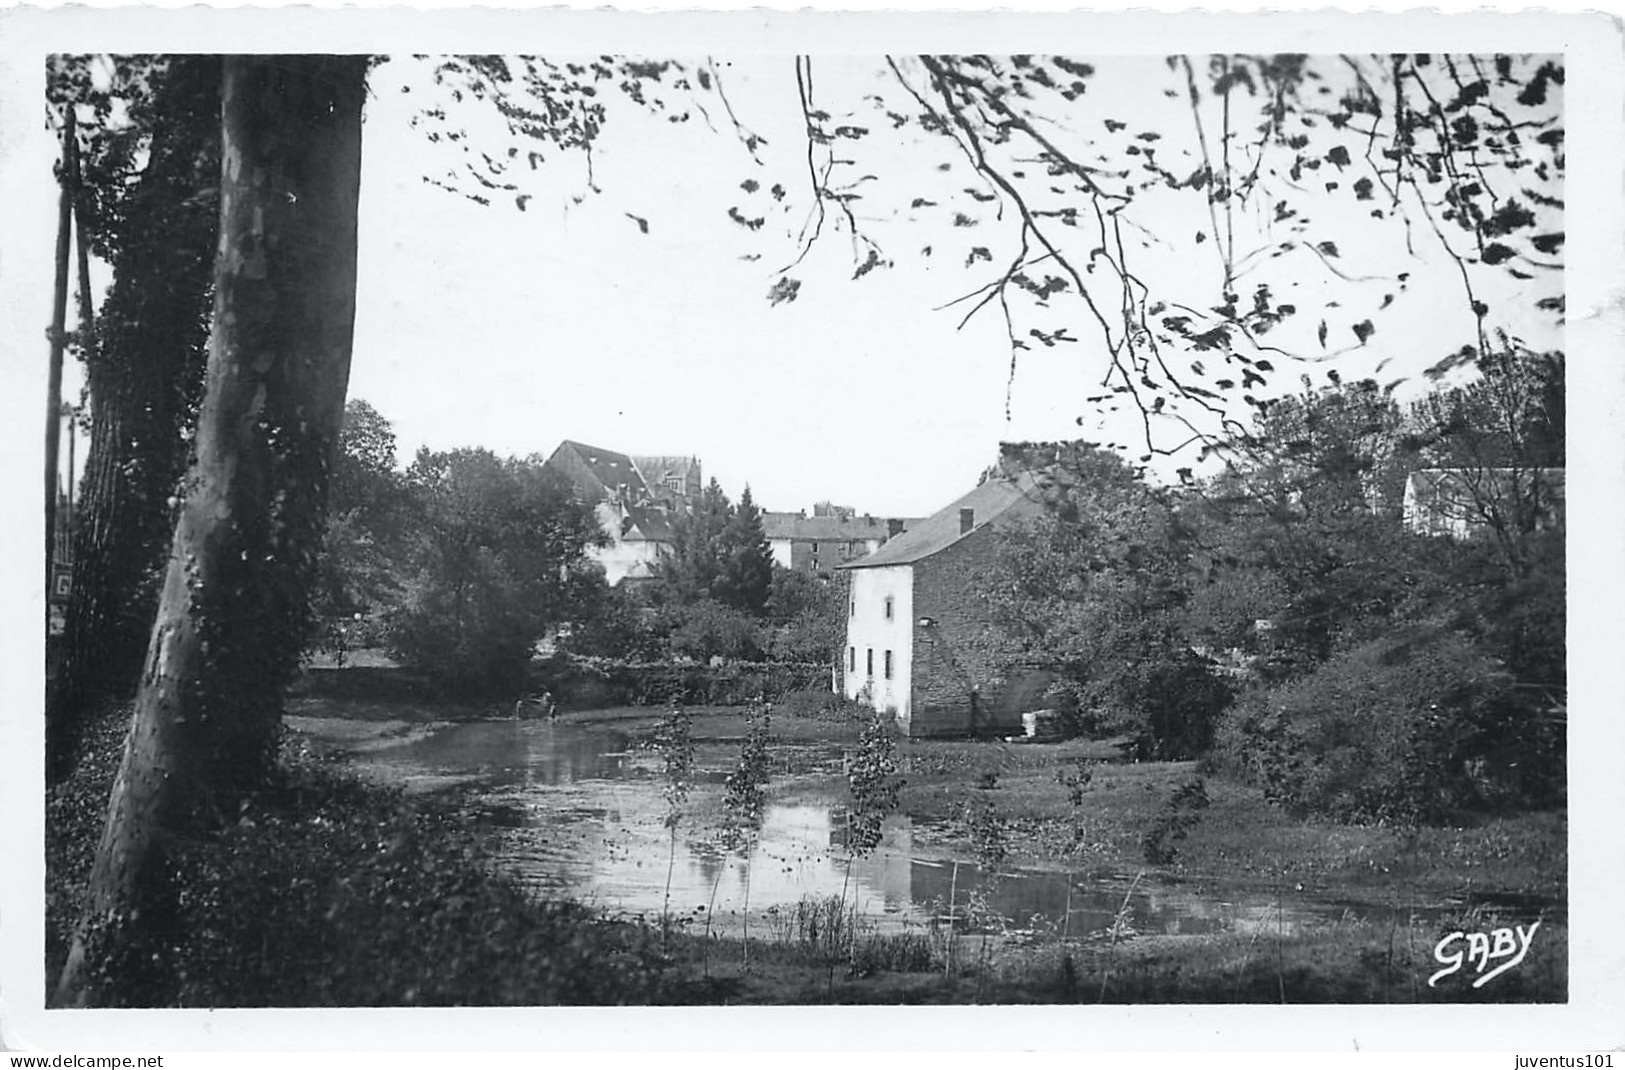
(967, 520)
(894, 528)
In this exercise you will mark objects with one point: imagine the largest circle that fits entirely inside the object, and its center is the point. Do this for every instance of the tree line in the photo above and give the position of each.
(1280, 620)
(460, 565)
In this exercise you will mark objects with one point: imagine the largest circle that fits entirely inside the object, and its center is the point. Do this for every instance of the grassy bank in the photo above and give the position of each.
(329, 892)
(1341, 963)
(1237, 839)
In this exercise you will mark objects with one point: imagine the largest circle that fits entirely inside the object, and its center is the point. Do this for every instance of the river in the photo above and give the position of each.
(577, 811)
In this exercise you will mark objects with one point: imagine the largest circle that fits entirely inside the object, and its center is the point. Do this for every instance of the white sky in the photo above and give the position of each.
(515, 330)
(486, 325)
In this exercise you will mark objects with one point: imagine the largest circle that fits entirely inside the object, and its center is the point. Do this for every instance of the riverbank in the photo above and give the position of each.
(336, 891)
(1075, 806)
(1375, 895)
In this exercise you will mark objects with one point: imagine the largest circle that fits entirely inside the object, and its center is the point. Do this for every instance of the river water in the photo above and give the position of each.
(578, 812)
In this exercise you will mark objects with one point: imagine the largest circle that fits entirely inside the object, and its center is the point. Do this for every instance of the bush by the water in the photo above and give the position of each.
(822, 704)
(1179, 701)
(585, 681)
(1167, 706)
(1410, 727)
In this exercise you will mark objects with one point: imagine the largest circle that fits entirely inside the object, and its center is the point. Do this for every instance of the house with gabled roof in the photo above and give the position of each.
(922, 641)
(635, 517)
(828, 538)
(672, 482)
(1463, 502)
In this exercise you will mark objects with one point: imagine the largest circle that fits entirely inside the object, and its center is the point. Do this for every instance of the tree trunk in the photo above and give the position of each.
(145, 373)
(231, 616)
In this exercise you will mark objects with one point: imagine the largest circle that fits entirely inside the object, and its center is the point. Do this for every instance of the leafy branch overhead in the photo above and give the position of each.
(1183, 228)
(1293, 170)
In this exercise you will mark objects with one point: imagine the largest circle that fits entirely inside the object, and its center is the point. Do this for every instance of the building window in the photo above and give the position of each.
(869, 662)
(888, 607)
(851, 659)
(852, 606)
(888, 664)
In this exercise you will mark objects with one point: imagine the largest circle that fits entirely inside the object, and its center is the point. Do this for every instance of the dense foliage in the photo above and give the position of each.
(1101, 586)
(493, 559)
(1418, 726)
(149, 207)
(1284, 618)
(359, 577)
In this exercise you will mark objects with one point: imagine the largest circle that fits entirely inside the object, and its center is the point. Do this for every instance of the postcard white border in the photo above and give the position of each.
(1596, 210)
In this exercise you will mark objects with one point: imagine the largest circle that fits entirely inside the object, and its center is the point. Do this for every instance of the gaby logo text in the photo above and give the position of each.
(1480, 949)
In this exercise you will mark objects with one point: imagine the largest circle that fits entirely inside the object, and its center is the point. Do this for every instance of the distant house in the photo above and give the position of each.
(1462, 502)
(921, 641)
(635, 515)
(671, 482)
(832, 536)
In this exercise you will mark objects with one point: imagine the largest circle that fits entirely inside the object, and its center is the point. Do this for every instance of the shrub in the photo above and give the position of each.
(1169, 706)
(494, 559)
(588, 682)
(1174, 822)
(480, 646)
(708, 629)
(821, 704)
(1179, 701)
(1410, 727)
(618, 624)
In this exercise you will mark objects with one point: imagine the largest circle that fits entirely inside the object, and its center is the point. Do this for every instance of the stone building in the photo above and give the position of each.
(922, 641)
(635, 514)
(832, 536)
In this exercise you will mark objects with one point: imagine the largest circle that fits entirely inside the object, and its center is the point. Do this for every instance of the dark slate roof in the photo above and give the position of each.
(609, 468)
(995, 501)
(643, 522)
(826, 528)
(655, 469)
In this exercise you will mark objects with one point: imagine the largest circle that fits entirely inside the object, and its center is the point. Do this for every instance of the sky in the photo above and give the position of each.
(487, 325)
(514, 330)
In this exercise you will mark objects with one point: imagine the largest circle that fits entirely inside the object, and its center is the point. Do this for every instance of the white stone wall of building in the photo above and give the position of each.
(869, 628)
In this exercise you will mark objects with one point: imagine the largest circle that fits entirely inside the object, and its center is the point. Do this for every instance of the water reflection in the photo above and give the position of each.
(583, 817)
(532, 753)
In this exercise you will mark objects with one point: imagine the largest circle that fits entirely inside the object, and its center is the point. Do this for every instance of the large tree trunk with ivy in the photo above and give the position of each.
(144, 375)
(233, 608)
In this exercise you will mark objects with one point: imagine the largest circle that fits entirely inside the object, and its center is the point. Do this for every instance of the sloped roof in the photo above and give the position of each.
(830, 528)
(642, 522)
(997, 500)
(655, 468)
(609, 468)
